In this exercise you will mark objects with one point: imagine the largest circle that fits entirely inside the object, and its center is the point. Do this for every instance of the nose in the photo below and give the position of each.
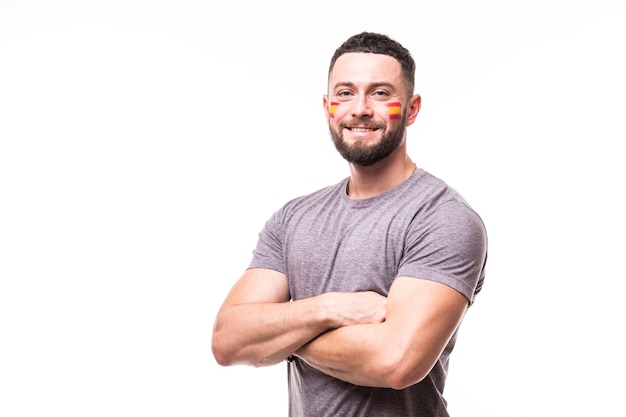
(362, 107)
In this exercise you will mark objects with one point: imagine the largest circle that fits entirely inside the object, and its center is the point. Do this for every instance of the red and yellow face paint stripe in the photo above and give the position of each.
(394, 110)
(332, 108)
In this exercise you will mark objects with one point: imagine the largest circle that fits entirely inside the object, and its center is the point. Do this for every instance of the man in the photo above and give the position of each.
(361, 286)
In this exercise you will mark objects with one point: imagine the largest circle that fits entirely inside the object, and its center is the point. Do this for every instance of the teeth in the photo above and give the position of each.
(361, 129)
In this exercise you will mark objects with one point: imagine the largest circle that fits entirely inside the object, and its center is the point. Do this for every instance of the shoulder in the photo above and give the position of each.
(445, 213)
(438, 198)
(447, 239)
(322, 197)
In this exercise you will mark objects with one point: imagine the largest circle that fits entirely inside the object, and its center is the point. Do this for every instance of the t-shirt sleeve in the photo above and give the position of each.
(448, 246)
(268, 252)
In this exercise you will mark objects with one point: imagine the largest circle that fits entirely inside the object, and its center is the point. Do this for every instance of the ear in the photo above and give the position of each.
(326, 108)
(415, 103)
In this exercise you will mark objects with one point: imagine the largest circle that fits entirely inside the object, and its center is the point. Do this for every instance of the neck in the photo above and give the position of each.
(376, 179)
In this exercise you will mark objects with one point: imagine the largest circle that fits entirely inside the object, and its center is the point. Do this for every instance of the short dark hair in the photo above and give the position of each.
(377, 43)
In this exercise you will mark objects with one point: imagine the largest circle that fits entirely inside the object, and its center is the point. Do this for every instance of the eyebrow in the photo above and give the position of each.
(370, 86)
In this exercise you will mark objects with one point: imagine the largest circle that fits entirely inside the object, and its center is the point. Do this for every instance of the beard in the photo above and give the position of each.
(363, 155)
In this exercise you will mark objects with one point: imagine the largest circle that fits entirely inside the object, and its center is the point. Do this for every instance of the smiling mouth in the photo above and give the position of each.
(362, 129)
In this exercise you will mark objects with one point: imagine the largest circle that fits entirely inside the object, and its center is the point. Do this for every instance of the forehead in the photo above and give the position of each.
(363, 68)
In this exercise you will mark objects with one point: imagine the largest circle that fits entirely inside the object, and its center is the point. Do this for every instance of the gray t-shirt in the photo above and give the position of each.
(326, 241)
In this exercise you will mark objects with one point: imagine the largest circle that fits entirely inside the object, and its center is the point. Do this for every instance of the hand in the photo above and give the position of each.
(345, 309)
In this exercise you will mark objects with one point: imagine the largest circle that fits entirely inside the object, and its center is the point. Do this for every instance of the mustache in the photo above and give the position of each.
(366, 123)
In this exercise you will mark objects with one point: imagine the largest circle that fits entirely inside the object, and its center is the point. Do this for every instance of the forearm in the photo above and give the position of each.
(353, 354)
(421, 318)
(261, 334)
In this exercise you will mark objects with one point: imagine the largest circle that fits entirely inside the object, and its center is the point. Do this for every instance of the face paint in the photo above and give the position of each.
(394, 110)
(332, 108)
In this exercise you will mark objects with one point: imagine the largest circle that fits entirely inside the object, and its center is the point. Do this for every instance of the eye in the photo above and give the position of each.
(380, 94)
(343, 95)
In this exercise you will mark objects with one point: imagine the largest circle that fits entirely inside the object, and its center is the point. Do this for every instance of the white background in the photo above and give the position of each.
(144, 143)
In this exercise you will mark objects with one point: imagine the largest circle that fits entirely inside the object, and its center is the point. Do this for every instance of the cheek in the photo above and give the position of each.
(332, 108)
(394, 110)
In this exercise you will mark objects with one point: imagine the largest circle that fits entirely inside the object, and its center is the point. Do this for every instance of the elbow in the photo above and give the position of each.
(220, 353)
(400, 381)
(225, 350)
(401, 373)
(221, 359)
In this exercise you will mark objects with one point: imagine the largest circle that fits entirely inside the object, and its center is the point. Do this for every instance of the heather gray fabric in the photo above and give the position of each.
(326, 241)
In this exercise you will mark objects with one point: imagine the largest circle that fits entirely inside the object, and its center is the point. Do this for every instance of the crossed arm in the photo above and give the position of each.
(363, 338)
